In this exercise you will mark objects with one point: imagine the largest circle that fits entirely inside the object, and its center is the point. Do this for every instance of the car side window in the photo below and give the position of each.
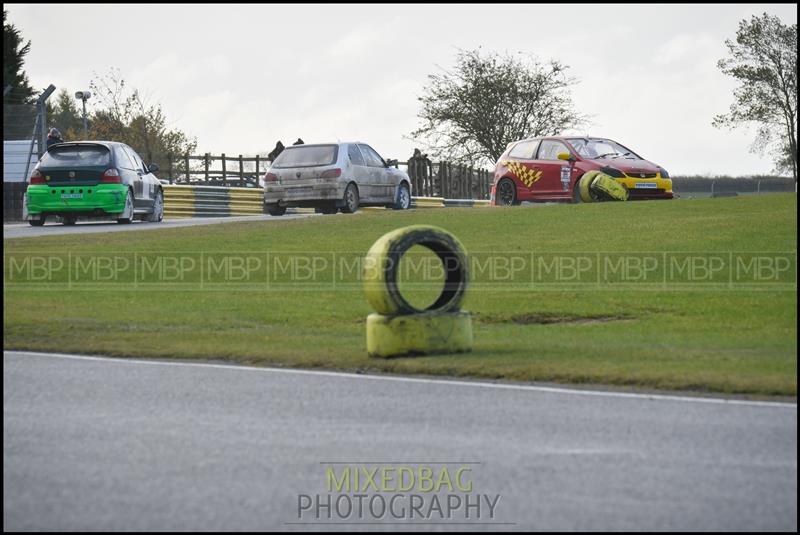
(123, 160)
(137, 162)
(371, 157)
(549, 149)
(524, 150)
(355, 155)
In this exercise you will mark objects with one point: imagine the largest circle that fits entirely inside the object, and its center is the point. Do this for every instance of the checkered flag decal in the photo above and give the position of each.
(525, 175)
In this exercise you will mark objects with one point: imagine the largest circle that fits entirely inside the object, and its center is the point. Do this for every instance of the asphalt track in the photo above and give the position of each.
(24, 230)
(104, 444)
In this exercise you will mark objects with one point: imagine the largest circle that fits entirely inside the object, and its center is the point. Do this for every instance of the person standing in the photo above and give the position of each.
(53, 138)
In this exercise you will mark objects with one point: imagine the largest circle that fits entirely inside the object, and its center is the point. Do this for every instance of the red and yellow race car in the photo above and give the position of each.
(576, 169)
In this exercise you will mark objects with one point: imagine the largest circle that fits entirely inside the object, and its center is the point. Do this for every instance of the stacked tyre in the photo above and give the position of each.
(596, 186)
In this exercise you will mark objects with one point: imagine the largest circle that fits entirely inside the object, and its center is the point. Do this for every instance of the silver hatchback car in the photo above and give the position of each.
(334, 176)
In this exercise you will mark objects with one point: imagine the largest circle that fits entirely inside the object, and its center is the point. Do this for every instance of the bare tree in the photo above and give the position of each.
(764, 61)
(471, 114)
(125, 115)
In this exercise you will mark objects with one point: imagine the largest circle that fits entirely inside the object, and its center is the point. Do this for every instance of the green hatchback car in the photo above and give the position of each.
(93, 179)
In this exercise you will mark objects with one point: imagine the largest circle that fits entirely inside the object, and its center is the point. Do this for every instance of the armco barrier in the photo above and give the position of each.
(210, 201)
(439, 202)
(215, 201)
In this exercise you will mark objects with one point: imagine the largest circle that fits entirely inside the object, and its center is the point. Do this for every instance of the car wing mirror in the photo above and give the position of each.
(391, 163)
(566, 157)
(152, 168)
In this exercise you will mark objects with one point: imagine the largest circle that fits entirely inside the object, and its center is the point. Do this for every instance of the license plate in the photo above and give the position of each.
(646, 185)
(72, 195)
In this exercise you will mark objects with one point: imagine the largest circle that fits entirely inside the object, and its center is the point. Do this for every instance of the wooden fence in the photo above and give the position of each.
(448, 180)
(210, 170)
(428, 179)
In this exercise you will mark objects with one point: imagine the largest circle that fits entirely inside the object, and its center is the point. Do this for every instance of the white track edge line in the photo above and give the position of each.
(503, 386)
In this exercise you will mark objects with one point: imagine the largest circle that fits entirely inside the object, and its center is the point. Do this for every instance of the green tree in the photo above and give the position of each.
(14, 76)
(65, 115)
(471, 114)
(122, 114)
(764, 61)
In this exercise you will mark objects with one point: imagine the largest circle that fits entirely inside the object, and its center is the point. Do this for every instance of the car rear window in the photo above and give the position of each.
(76, 156)
(307, 156)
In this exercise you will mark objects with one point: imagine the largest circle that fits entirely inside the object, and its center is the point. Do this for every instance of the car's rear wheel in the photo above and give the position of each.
(506, 192)
(69, 220)
(403, 201)
(350, 199)
(127, 213)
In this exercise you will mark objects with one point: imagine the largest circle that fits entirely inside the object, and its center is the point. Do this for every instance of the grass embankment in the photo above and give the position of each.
(730, 328)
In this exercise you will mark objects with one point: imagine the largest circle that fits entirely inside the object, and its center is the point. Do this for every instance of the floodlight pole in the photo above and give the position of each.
(84, 96)
(39, 122)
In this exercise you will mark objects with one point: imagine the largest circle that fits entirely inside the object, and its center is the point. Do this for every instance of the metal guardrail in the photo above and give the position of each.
(210, 201)
(214, 201)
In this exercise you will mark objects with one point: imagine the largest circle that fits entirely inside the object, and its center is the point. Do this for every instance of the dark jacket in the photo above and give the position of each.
(53, 141)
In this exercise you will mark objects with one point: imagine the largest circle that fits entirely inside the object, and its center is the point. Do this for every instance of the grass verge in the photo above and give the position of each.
(561, 293)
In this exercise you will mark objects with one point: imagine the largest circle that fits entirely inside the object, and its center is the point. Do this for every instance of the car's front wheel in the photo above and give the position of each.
(69, 220)
(403, 201)
(127, 214)
(506, 192)
(584, 187)
(275, 210)
(37, 222)
(350, 199)
(158, 209)
(327, 210)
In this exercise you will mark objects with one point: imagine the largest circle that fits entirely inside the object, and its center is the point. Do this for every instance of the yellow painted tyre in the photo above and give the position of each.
(584, 185)
(419, 334)
(383, 261)
(607, 188)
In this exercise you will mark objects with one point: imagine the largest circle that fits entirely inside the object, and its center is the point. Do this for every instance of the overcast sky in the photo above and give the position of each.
(241, 77)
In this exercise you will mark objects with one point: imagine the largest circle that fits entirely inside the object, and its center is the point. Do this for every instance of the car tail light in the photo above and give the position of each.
(270, 177)
(36, 177)
(111, 176)
(331, 173)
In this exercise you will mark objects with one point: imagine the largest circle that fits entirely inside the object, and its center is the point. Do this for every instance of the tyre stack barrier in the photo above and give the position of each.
(397, 327)
(211, 201)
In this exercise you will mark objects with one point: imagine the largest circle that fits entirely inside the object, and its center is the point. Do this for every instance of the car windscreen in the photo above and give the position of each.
(76, 156)
(601, 149)
(306, 156)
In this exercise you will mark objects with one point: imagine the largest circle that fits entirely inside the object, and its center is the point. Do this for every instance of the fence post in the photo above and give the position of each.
(429, 180)
(473, 183)
(258, 173)
(712, 187)
(440, 175)
(207, 159)
(186, 158)
(758, 190)
(170, 156)
(447, 179)
(224, 172)
(241, 172)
